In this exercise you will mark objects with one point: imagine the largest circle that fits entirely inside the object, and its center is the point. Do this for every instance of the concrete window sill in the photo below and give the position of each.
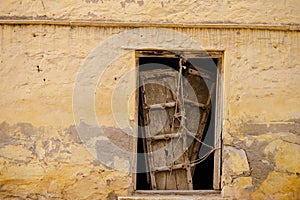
(175, 195)
(172, 197)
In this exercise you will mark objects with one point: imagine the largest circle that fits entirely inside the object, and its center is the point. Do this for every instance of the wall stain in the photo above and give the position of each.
(274, 127)
(112, 196)
(93, 1)
(139, 2)
(260, 165)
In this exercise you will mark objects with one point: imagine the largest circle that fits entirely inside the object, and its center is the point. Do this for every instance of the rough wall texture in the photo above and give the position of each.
(41, 154)
(180, 11)
(52, 163)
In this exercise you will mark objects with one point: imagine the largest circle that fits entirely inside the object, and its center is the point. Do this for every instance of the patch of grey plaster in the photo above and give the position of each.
(93, 1)
(4, 137)
(51, 146)
(88, 131)
(289, 126)
(296, 126)
(260, 165)
(107, 144)
(25, 128)
(120, 137)
(90, 14)
(139, 2)
(96, 163)
(72, 133)
(19, 134)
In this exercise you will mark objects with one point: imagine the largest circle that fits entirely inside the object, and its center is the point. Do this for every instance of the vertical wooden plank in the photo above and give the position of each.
(183, 124)
(135, 138)
(218, 126)
(149, 145)
(189, 178)
(171, 180)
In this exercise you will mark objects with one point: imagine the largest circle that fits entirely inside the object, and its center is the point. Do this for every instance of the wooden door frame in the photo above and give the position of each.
(218, 116)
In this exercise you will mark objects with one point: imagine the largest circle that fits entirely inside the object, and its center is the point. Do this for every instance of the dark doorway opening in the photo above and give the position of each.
(203, 172)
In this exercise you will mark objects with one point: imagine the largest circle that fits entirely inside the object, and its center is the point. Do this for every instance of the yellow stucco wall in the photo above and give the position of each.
(251, 11)
(41, 154)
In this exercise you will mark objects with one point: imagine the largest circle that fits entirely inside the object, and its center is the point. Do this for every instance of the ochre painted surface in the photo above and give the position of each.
(52, 163)
(41, 153)
(177, 11)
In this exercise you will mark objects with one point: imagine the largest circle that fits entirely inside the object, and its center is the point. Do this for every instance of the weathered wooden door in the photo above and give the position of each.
(174, 108)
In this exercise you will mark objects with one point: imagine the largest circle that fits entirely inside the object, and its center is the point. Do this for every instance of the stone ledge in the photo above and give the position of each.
(99, 23)
(173, 197)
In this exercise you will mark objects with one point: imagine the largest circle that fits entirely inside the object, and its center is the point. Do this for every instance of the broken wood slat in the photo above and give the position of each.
(164, 136)
(171, 167)
(161, 105)
(168, 136)
(174, 167)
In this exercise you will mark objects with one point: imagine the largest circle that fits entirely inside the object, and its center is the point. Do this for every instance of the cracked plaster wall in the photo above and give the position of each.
(42, 156)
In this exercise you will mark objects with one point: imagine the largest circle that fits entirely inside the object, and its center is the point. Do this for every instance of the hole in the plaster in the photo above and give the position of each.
(115, 78)
(38, 68)
(44, 79)
(108, 182)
